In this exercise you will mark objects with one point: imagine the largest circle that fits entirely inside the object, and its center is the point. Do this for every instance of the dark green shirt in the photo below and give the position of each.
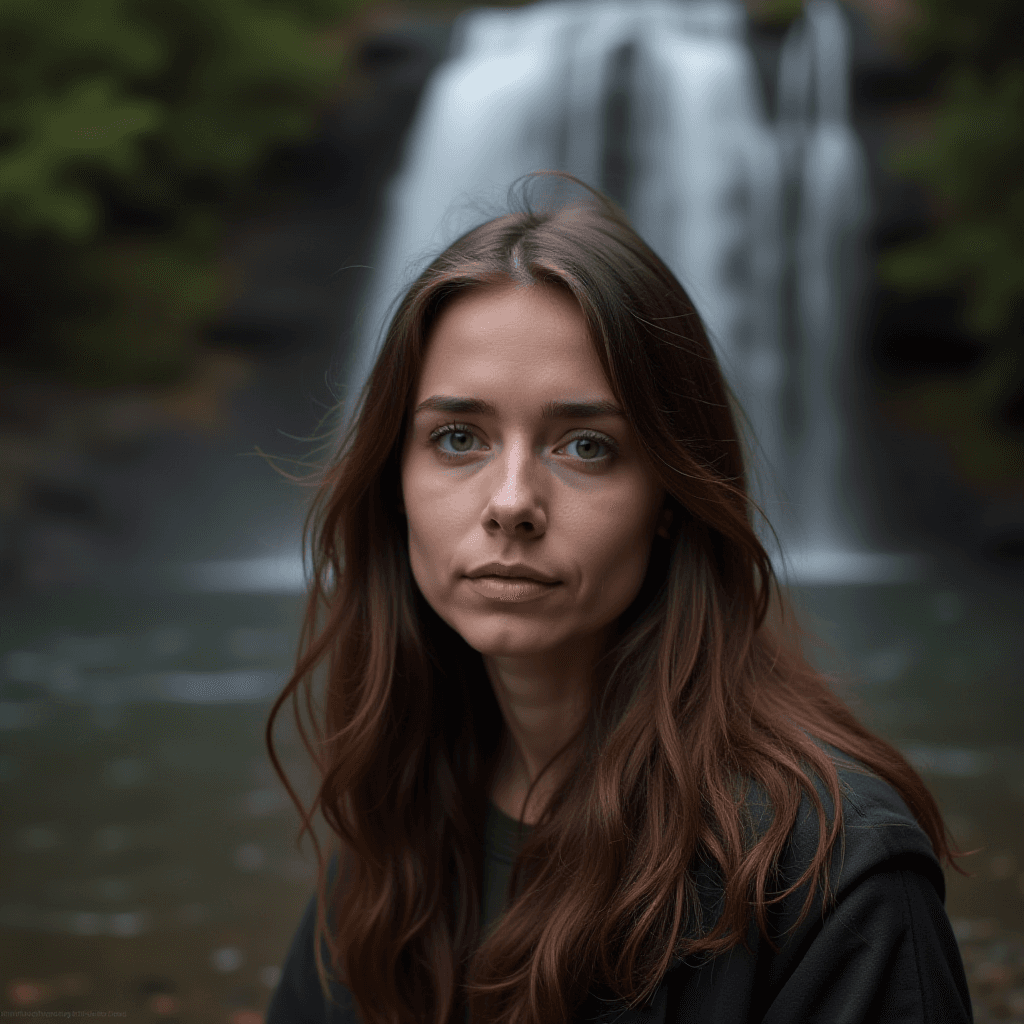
(503, 836)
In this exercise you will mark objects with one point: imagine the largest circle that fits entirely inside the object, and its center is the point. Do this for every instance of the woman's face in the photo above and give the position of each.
(496, 469)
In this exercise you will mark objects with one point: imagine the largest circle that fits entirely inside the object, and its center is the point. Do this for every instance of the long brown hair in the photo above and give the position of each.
(704, 690)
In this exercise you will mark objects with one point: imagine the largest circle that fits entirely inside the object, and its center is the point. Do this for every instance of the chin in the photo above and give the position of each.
(505, 639)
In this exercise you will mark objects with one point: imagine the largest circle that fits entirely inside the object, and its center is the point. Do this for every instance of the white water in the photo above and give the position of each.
(824, 155)
(709, 170)
(706, 196)
(486, 117)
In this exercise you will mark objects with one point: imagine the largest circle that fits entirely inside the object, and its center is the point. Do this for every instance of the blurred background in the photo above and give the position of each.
(205, 212)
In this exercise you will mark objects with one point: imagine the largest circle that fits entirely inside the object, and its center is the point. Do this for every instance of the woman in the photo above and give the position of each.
(575, 762)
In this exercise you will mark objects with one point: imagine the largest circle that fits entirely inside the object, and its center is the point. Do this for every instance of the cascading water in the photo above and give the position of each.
(705, 194)
(486, 117)
(830, 216)
(764, 223)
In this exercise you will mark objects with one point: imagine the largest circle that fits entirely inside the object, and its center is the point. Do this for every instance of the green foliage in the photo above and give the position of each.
(972, 164)
(777, 12)
(129, 130)
(980, 34)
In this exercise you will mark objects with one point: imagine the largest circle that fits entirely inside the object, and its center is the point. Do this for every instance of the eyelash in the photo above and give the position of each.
(462, 428)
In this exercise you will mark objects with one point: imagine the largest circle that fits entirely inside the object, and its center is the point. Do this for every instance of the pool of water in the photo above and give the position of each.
(150, 863)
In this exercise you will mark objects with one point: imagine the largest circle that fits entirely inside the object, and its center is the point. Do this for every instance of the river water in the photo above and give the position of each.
(150, 863)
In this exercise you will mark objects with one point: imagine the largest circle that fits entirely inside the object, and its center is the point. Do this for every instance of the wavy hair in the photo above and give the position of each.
(704, 689)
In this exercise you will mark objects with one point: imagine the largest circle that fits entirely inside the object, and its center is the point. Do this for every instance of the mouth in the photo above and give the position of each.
(510, 588)
(515, 579)
(513, 571)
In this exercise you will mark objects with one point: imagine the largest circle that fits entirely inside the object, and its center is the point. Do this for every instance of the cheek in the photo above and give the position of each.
(416, 504)
(434, 525)
(430, 559)
(424, 553)
(617, 568)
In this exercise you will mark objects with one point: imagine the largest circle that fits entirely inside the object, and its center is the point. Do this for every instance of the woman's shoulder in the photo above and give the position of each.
(299, 997)
(878, 827)
(879, 833)
(884, 945)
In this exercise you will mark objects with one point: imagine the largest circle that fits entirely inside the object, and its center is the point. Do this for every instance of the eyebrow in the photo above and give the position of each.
(549, 411)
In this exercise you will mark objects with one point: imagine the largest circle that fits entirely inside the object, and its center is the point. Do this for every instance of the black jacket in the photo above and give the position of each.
(884, 952)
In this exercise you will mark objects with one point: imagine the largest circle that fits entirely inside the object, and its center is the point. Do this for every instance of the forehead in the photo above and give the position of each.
(508, 340)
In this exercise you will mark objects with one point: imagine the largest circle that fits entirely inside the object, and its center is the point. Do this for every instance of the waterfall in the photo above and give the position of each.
(764, 221)
(485, 118)
(830, 207)
(706, 195)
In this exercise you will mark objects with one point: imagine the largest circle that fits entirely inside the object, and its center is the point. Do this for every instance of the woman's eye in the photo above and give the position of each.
(460, 443)
(587, 448)
(461, 440)
(456, 439)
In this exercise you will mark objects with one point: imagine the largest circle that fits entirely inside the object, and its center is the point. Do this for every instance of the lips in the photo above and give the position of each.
(515, 571)
(510, 589)
(513, 579)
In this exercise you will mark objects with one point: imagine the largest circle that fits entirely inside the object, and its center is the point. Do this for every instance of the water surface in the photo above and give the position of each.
(149, 859)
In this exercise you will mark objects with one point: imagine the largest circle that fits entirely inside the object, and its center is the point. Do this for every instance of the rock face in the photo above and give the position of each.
(99, 487)
(914, 340)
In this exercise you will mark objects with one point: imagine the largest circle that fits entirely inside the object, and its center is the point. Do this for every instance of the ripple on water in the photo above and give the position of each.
(125, 773)
(951, 762)
(227, 959)
(36, 838)
(246, 643)
(111, 888)
(259, 803)
(948, 606)
(169, 641)
(250, 857)
(111, 839)
(129, 923)
(64, 679)
(123, 924)
(270, 976)
(295, 869)
(1002, 865)
(93, 651)
(24, 667)
(106, 716)
(85, 923)
(192, 914)
(10, 769)
(889, 664)
(226, 687)
(16, 715)
(59, 676)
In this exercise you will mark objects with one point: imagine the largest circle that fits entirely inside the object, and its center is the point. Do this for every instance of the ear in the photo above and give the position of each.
(664, 523)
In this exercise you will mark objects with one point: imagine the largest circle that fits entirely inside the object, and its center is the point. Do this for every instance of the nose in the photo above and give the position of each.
(516, 505)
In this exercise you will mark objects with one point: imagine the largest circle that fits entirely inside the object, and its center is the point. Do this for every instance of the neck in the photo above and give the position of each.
(544, 699)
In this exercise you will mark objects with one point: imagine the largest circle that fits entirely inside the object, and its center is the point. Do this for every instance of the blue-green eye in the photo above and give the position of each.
(588, 444)
(462, 440)
(587, 448)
